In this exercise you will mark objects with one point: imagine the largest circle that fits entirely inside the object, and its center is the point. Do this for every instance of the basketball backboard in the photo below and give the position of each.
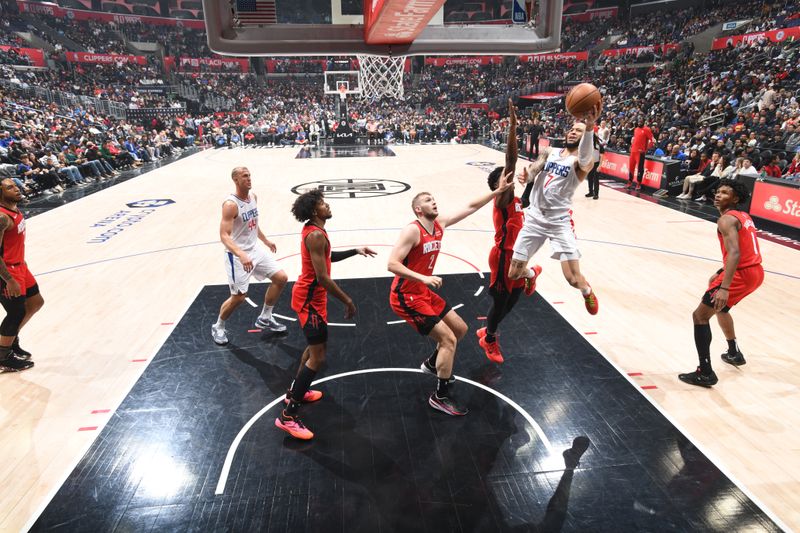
(336, 27)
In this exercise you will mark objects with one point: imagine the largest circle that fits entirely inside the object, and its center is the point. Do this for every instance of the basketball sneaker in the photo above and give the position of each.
(270, 324)
(19, 352)
(735, 359)
(530, 283)
(699, 379)
(638, 186)
(481, 333)
(219, 335)
(309, 397)
(447, 405)
(292, 425)
(14, 364)
(591, 303)
(428, 368)
(492, 350)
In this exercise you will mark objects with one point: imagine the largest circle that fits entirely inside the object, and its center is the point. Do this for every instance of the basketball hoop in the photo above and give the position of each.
(343, 92)
(381, 76)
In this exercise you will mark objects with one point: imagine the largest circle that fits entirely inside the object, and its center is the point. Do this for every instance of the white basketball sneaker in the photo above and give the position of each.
(270, 324)
(219, 335)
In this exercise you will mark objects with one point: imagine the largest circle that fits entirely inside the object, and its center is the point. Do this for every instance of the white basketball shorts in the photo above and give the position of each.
(265, 265)
(538, 227)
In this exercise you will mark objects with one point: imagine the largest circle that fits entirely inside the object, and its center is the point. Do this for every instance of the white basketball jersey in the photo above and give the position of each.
(556, 183)
(245, 225)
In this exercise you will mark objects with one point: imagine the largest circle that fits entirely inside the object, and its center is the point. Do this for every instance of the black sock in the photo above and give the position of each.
(702, 340)
(5, 352)
(432, 358)
(732, 346)
(490, 337)
(299, 388)
(442, 387)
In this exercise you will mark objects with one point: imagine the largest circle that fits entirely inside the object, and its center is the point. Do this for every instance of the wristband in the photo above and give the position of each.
(724, 288)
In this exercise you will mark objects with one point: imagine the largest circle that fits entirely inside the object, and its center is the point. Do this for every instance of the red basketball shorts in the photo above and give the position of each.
(745, 281)
(421, 311)
(499, 263)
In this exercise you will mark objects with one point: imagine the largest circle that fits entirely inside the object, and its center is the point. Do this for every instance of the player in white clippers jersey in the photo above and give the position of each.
(556, 175)
(248, 253)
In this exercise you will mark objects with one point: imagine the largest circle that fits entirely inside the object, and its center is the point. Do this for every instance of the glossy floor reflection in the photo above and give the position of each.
(382, 459)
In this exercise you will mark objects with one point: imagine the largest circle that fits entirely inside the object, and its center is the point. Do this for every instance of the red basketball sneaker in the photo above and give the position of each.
(308, 397)
(492, 350)
(293, 426)
(530, 283)
(592, 305)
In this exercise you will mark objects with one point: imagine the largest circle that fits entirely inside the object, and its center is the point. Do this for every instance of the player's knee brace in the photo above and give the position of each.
(15, 314)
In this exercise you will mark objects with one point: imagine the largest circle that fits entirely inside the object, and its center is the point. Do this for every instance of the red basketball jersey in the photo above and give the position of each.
(421, 259)
(307, 287)
(507, 223)
(13, 245)
(749, 251)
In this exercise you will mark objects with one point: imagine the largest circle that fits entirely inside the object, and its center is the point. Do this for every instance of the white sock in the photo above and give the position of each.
(220, 323)
(587, 291)
(531, 274)
(266, 311)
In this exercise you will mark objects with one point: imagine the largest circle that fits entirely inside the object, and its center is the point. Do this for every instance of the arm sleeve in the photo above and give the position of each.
(586, 150)
(338, 256)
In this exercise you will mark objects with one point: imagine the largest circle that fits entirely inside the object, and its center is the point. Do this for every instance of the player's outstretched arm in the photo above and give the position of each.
(504, 199)
(409, 238)
(337, 256)
(503, 184)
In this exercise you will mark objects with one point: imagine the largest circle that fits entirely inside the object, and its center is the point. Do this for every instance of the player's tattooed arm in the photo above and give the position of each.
(537, 166)
(5, 223)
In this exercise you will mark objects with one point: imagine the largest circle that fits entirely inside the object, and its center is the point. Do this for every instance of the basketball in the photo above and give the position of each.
(582, 98)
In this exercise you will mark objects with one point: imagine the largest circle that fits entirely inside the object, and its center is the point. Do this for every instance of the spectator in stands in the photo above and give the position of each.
(748, 169)
(793, 170)
(772, 169)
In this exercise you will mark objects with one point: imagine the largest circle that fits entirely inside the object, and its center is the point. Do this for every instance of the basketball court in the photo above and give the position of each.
(131, 417)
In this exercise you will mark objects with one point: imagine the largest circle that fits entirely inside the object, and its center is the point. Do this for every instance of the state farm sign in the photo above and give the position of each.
(616, 165)
(777, 203)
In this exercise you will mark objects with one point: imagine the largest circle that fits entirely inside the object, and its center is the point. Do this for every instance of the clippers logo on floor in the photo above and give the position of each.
(124, 218)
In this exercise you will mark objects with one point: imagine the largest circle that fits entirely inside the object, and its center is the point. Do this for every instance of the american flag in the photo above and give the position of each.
(256, 11)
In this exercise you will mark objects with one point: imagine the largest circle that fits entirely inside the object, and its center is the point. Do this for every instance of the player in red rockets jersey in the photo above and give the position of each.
(310, 302)
(741, 274)
(507, 216)
(412, 261)
(19, 292)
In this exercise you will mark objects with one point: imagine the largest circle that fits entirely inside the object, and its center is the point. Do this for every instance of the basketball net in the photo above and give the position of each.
(381, 76)
(343, 92)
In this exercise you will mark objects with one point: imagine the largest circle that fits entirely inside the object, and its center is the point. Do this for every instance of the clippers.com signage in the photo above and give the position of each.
(616, 165)
(472, 60)
(88, 57)
(775, 36)
(638, 50)
(564, 56)
(776, 203)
